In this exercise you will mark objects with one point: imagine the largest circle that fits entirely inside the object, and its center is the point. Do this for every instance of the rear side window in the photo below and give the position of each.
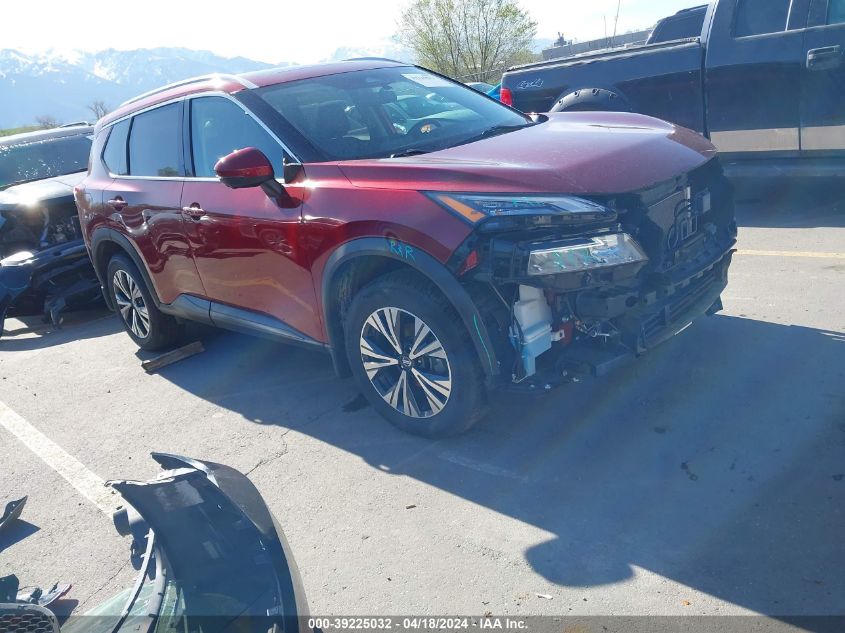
(757, 17)
(155, 142)
(836, 12)
(219, 127)
(679, 28)
(114, 155)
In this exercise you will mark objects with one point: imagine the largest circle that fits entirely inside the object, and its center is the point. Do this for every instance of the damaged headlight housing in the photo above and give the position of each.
(603, 251)
(499, 210)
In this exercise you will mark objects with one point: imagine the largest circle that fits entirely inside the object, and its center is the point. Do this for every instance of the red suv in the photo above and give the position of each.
(438, 244)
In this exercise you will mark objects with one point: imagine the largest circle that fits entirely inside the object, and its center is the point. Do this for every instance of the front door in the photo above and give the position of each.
(823, 87)
(246, 247)
(146, 193)
(754, 59)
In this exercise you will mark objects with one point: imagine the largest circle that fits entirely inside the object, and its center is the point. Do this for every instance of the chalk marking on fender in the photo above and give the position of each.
(88, 484)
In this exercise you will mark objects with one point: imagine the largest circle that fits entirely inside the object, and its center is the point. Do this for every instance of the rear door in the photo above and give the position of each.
(246, 247)
(145, 195)
(823, 87)
(753, 77)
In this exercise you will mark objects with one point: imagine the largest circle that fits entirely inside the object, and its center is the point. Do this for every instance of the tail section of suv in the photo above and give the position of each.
(436, 261)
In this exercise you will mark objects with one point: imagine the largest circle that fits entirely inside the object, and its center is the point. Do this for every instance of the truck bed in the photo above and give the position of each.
(667, 75)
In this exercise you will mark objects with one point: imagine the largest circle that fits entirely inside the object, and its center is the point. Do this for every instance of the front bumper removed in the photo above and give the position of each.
(662, 313)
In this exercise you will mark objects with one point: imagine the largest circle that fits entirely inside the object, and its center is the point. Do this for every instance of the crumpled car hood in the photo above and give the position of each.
(39, 190)
(577, 153)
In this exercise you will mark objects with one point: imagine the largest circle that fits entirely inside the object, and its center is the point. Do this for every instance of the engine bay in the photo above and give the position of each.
(44, 266)
(36, 227)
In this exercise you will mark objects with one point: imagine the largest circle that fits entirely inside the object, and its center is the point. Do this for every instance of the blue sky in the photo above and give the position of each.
(274, 30)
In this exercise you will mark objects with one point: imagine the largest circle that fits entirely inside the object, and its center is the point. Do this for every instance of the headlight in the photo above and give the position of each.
(597, 252)
(557, 209)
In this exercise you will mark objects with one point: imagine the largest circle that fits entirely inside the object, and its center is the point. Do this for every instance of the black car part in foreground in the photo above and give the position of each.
(12, 512)
(210, 557)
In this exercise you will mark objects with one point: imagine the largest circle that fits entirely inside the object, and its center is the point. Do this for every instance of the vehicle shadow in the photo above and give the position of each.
(63, 608)
(16, 532)
(717, 461)
(790, 203)
(28, 333)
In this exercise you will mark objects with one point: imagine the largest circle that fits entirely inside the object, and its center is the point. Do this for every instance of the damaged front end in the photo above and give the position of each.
(44, 267)
(578, 285)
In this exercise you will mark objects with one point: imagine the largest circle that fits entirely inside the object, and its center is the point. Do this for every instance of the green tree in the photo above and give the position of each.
(470, 40)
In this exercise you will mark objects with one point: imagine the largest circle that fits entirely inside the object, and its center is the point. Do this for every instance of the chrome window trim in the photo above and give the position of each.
(197, 95)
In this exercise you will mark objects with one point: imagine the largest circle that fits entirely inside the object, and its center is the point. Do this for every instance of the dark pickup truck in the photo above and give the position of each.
(765, 81)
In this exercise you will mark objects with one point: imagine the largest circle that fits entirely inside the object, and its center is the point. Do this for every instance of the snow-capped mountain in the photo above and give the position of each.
(385, 47)
(61, 85)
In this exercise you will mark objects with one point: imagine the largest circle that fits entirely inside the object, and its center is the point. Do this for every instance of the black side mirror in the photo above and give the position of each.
(290, 170)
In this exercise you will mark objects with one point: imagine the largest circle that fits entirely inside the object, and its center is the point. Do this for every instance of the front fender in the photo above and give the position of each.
(101, 239)
(424, 264)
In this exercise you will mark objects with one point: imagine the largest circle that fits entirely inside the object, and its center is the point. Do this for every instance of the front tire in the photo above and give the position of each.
(412, 359)
(151, 329)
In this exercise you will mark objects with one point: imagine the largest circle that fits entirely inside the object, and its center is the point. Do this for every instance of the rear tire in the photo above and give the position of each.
(149, 327)
(412, 357)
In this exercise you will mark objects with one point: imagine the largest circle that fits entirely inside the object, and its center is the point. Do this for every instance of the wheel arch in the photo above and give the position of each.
(361, 261)
(105, 244)
(597, 99)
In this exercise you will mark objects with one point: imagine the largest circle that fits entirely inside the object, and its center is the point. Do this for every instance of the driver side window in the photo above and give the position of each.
(219, 127)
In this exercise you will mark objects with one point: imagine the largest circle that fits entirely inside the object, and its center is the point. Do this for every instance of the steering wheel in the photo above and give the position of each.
(425, 127)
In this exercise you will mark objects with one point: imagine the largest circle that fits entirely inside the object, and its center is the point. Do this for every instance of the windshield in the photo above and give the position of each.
(386, 112)
(37, 160)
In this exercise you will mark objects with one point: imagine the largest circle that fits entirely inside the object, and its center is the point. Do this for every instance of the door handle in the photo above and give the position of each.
(118, 203)
(195, 211)
(824, 58)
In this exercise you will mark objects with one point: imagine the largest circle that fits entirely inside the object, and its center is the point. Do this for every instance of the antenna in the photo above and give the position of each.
(616, 21)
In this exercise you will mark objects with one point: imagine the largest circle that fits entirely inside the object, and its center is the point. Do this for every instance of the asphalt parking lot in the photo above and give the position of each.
(706, 478)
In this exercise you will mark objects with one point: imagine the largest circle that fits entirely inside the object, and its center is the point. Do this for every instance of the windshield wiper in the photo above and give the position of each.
(409, 152)
(495, 131)
(492, 131)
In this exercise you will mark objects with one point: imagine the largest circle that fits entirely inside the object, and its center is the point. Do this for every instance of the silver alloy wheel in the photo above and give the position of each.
(406, 363)
(130, 304)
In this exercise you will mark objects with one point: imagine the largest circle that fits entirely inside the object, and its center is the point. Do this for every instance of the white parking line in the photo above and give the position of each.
(75, 473)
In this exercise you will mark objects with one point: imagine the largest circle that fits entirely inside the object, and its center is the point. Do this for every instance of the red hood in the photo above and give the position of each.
(576, 152)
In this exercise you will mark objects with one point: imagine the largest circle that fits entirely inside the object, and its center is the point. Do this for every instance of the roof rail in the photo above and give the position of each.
(372, 59)
(185, 82)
